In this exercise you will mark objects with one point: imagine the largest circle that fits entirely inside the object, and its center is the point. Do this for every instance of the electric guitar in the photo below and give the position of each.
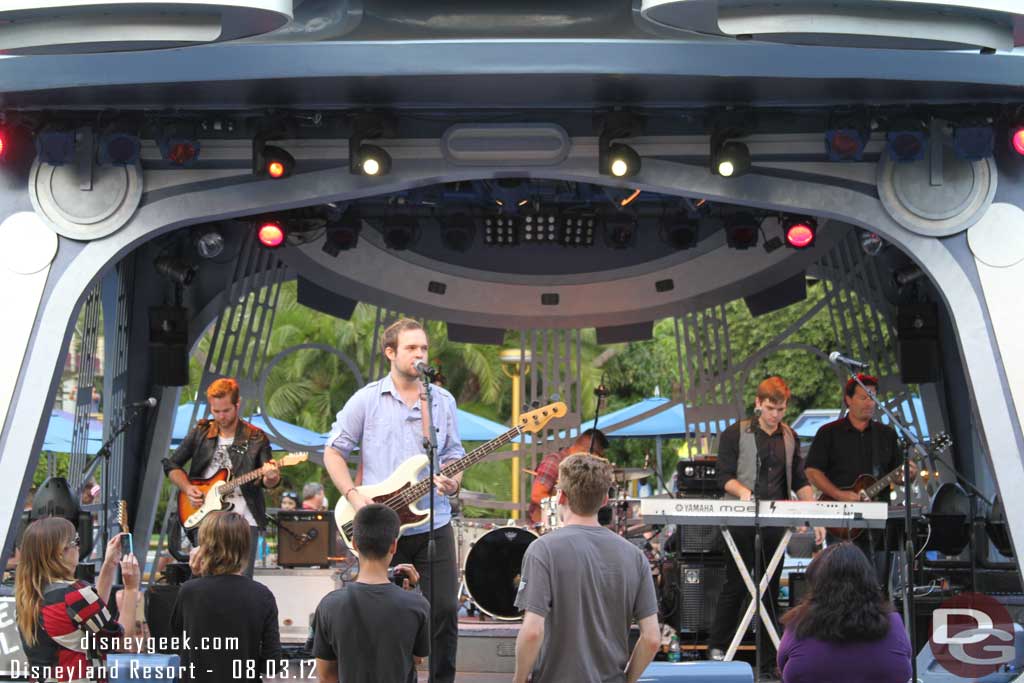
(868, 487)
(402, 489)
(217, 488)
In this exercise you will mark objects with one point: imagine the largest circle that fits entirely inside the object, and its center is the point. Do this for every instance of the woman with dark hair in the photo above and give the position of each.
(222, 604)
(843, 631)
(64, 624)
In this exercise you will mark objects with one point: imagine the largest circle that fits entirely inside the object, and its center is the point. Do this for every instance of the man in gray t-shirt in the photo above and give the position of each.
(582, 586)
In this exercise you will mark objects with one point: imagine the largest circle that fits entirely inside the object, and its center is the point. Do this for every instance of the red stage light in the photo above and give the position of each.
(271, 234)
(800, 234)
(3, 143)
(182, 153)
(1017, 138)
(275, 169)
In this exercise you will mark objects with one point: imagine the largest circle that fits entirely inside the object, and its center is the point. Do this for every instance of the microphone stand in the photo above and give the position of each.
(908, 530)
(430, 448)
(601, 392)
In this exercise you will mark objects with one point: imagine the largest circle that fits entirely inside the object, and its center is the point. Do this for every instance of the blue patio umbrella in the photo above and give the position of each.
(60, 429)
(807, 424)
(475, 428)
(299, 435)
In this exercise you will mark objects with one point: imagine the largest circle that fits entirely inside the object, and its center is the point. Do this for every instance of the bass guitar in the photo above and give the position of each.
(402, 489)
(217, 488)
(868, 487)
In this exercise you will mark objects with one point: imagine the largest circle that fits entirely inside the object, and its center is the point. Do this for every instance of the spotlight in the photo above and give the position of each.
(209, 243)
(176, 269)
(542, 226)
(55, 145)
(974, 140)
(741, 231)
(907, 275)
(678, 231)
(799, 232)
(620, 231)
(847, 135)
(271, 234)
(617, 159)
(342, 232)
(578, 230)
(370, 159)
(118, 147)
(1017, 138)
(277, 163)
(400, 232)
(871, 243)
(503, 231)
(3, 142)
(180, 151)
(731, 159)
(458, 230)
(907, 141)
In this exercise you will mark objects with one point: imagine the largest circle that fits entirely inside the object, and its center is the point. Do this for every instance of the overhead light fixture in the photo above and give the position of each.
(277, 163)
(178, 270)
(271, 233)
(678, 231)
(578, 230)
(55, 145)
(799, 232)
(847, 136)
(180, 151)
(1017, 138)
(458, 230)
(119, 145)
(209, 243)
(906, 140)
(617, 159)
(538, 227)
(907, 275)
(4, 142)
(400, 232)
(342, 231)
(730, 159)
(620, 231)
(365, 159)
(871, 243)
(741, 231)
(974, 140)
(503, 231)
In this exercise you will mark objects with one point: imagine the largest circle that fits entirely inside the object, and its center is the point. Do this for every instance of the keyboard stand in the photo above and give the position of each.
(756, 596)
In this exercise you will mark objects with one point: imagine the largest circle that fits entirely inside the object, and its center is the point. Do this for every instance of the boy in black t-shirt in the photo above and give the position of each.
(371, 630)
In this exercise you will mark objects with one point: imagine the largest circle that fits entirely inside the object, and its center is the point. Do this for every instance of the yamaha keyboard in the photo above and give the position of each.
(777, 513)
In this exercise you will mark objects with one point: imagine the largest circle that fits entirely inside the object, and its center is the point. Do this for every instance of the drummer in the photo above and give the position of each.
(547, 472)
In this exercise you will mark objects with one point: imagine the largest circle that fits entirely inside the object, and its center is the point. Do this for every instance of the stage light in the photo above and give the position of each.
(119, 148)
(503, 231)
(342, 232)
(871, 243)
(180, 151)
(741, 231)
(277, 163)
(372, 160)
(209, 243)
(1017, 139)
(366, 159)
(845, 144)
(732, 159)
(799, 232)
(3, 142)
(974, 141)
(620, 231)
(178, 270)
(458, 230)
(907, 141)
(55, 145)
(400, 232)
(271, 234)
(678, 231)
(578, 230)
(617, 159)
(541, 226)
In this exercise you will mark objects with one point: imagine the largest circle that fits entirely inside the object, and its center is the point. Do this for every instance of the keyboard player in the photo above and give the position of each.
(768, 440)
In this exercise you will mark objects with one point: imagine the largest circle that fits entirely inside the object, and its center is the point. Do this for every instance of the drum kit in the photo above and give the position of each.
(491, 553)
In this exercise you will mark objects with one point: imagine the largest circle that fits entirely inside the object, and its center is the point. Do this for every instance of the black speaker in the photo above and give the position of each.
(917, 330)
(168, 345)
(159, 603)
(305, 538)
(797, 588)
(698, 583)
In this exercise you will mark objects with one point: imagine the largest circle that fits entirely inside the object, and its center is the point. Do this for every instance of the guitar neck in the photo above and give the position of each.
(241, 481)
(462, 464)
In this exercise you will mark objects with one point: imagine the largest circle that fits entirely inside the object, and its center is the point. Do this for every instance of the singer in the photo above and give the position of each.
(226, 442)
(384, 419)
(769, 440)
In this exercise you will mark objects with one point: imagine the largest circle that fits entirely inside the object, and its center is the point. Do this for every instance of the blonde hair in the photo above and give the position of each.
(585, 478)
(389, 340)
(225, 540)
(41, 563)
(225, 386)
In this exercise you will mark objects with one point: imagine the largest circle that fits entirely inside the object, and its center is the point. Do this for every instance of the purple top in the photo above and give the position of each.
(880, 661)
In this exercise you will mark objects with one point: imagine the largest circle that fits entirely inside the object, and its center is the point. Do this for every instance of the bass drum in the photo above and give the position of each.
(493, 570)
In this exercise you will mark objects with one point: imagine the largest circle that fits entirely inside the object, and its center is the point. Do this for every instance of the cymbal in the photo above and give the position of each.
(630, 473)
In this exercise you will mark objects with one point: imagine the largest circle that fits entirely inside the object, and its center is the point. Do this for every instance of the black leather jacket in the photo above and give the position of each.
(201, 443)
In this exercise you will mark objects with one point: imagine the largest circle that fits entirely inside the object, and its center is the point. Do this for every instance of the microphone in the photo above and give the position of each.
(424, 369)
(836, 357)
(148, 403)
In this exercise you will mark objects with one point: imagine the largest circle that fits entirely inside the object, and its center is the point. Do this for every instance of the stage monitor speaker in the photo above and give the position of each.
(917, 331)
(159, 601)
(698, 582)
(168, 345)
(305, 538)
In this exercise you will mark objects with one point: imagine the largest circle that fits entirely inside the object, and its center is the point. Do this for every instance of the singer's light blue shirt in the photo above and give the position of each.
(388, 432)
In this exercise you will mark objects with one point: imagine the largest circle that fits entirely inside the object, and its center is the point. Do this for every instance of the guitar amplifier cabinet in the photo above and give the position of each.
(306, 538)
(697, 582)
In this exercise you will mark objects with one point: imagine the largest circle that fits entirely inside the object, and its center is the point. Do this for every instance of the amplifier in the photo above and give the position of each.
(697, 584)
(305, 538)
(698, 477)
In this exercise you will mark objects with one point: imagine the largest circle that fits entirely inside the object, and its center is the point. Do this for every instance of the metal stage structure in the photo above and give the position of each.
(117, 165)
